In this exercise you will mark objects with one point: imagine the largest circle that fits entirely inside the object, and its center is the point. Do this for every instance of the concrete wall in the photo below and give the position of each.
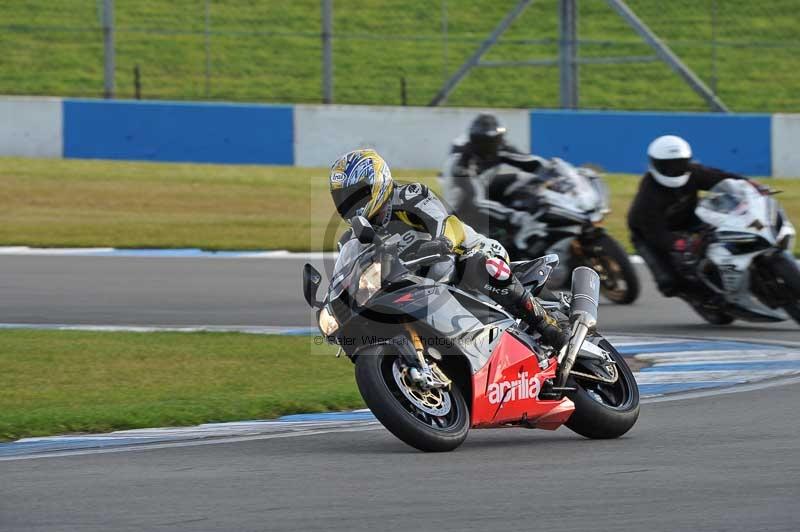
(180, 132)
(407, 137)
(30, 127)
(786, 145)
(617, 141)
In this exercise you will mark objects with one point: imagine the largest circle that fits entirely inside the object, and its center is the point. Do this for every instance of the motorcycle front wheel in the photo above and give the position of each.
(604, 410)
(430, 420)
(618, 280)
(788, 276)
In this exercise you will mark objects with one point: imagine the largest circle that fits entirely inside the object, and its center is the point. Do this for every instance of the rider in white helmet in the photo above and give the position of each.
(664, 228)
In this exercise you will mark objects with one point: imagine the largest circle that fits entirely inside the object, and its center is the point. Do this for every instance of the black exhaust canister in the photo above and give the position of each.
(585, 296)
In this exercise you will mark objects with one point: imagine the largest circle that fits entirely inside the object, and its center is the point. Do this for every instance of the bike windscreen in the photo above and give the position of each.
(727, 196)
(569, 181)
(346, 267)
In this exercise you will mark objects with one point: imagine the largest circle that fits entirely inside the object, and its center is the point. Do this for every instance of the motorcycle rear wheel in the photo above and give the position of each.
(605, 411)
(397, 412)
(618, 280)
(712, 316)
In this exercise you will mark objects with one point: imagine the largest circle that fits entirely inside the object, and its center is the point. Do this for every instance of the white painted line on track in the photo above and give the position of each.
(25, 250)
(748, 387)
(185, 253)
(181, 253)
(362, 426)
(247, 329)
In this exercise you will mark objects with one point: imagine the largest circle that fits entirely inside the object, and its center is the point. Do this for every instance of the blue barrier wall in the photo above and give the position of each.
(180, 132)
(265, 134)
(617, 141)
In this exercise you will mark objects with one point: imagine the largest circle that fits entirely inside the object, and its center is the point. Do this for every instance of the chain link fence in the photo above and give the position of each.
(403, 51)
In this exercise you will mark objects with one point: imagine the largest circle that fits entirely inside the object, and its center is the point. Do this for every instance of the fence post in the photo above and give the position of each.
(208, 48)
(108, 49)
(137, 82)
(714, 46)
(445, 31)
(327, 51)
(568, 54)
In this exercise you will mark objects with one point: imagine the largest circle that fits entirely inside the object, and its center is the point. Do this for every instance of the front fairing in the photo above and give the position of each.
(353, 258)
(575, 194)
(741, 214)
(460, 323)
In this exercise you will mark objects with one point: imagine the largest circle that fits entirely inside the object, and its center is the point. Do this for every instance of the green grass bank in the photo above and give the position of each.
(68, 381)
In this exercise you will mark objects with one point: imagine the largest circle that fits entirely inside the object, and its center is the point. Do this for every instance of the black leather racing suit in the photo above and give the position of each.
(476, 202)
(415, 206)
(660, 214)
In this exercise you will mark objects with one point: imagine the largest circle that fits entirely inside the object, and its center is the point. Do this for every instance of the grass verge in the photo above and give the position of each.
(271, 51)
(66, 203)
(69, 381)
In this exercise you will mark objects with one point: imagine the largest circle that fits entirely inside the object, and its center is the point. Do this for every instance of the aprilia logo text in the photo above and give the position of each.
(522, 388)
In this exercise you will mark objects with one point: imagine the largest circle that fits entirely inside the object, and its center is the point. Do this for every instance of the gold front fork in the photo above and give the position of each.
(419, 347)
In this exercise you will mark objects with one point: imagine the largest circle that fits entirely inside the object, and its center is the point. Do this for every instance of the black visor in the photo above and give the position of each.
(670, 167)
(486, 145)
(349, 200)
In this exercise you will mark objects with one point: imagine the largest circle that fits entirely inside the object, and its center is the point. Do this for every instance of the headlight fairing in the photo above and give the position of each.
(369, 283)
(327, 322)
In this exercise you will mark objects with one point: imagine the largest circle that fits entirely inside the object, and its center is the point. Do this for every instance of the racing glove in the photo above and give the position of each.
(440, 245)
(685, 253)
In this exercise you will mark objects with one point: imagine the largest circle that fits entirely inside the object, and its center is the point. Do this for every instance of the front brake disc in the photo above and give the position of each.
(435, 401)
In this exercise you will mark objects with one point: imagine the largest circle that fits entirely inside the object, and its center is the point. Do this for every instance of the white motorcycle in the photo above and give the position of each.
(748, 260)
(567, 206)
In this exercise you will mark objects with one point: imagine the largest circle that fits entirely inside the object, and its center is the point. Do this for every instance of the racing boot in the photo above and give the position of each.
(532, 313)
(493, 277)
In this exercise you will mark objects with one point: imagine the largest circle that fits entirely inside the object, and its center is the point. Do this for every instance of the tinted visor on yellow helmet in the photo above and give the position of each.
(350, 201)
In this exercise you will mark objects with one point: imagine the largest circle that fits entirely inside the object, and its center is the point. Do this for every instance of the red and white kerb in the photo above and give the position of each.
(498, 269)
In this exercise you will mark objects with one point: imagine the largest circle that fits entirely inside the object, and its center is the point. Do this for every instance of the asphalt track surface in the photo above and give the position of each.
(720, 462)
(213, 291)
(728, 462)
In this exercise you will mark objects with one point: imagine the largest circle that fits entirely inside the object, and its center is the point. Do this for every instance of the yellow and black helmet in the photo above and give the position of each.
(361, 184)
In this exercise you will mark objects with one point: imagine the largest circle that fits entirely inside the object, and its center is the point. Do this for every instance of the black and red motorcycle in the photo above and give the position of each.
(433, 361)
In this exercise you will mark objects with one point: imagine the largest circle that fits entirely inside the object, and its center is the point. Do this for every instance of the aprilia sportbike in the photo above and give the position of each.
(747, 258)
(568, 204)
(433, 360)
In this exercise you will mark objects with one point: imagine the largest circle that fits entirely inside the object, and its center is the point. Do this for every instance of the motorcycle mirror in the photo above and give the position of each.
(311, 281)
(363, 230)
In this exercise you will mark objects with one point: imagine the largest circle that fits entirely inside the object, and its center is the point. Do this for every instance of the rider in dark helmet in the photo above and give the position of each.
(474, 200)
(664, 228)
(486, 137)
(362, 185)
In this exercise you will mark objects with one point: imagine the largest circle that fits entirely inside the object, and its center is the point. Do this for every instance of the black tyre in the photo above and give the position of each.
(604, 411)
(787, 275)
(618, 280)
(402, 414)
(712, 315)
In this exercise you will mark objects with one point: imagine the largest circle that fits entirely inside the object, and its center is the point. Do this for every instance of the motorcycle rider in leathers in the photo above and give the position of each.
(361, 184)
(664, 228)
(470, 198)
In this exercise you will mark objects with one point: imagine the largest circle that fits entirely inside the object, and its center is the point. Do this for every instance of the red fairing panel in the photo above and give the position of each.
(506, 389)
